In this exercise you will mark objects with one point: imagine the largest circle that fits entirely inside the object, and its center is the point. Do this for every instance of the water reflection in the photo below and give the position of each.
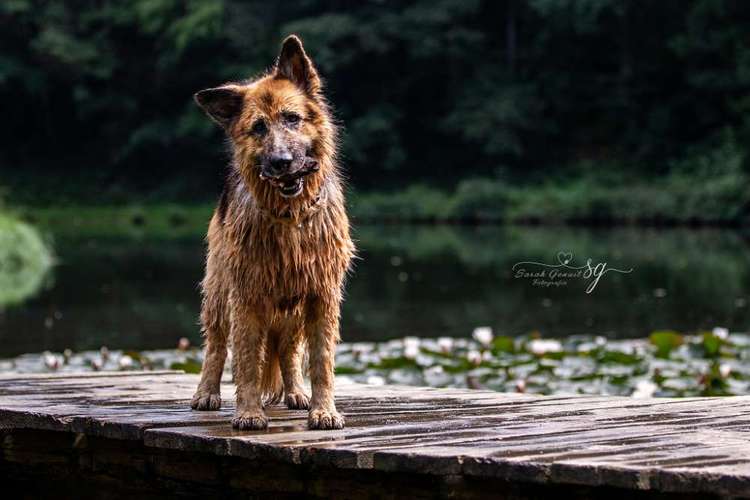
(430, 281)
(425, 281)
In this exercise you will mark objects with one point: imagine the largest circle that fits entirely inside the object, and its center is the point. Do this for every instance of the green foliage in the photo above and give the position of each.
(665, 341)
(711, 345)
(707, 186)
(430, 92)
(413, 203)
(392, 363)
(347, 370)
(188, 365)
(712, 184)
(503, 344)
(605, 356)
(495, 118)
(714, 383)
(481, 199)
(25, 260)
(161, 221)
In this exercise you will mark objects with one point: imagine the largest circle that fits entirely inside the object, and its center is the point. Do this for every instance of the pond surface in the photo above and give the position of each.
(136, 292)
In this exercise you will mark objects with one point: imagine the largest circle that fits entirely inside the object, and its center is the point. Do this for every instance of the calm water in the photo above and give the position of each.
(424, 281)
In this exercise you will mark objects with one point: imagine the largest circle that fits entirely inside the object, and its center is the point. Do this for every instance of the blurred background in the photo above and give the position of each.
(476, 134)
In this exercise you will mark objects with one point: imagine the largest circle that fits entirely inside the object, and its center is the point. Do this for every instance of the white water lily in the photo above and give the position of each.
(445, 344)
(360, 347)
(411, 342)
(483, 335)
(541, 346)
(375, 380)
(720, 332)
(125, 361)
(51, 361)
(183, 344)
(474, 357)
(724, 370)
(370, 358)
(411, 351)
(644, 389)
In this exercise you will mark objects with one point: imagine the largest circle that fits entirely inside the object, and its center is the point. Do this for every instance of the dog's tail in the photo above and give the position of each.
(271, 384)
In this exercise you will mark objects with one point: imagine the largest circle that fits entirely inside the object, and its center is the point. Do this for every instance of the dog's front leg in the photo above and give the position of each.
(322, 330)
(249, 344)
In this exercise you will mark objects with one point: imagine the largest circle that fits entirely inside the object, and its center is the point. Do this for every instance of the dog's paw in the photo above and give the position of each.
(297, 401)
(325, 419)
(204, 400)
(250, 420)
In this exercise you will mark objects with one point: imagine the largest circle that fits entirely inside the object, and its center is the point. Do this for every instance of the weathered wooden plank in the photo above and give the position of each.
(82, 375)
(669, 445)
(107, 405)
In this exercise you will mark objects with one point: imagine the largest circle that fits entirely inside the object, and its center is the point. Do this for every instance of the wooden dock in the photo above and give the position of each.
(116, 435)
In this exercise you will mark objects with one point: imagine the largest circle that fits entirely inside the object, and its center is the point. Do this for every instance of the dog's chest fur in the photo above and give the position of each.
(280, 263)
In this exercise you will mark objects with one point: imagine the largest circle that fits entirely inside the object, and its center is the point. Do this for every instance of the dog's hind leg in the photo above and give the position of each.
(291, 353)
(215, 325)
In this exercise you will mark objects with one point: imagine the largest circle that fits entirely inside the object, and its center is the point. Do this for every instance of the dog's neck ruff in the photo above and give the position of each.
(297, 218)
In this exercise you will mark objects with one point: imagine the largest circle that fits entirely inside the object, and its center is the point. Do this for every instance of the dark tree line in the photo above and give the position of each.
(97, 95)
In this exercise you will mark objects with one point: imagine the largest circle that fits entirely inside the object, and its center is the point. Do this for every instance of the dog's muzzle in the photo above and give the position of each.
(291, 184)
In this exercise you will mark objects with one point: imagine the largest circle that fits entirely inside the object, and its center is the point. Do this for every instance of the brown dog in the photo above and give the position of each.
(278, 246)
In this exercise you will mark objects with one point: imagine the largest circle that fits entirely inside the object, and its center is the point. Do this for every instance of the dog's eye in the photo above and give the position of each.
(292, 119)
(259, 128)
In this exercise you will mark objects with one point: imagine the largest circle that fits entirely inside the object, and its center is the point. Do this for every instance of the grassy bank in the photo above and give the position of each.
(673, 201)
(677, 199)
(708, 187)
(166, 220)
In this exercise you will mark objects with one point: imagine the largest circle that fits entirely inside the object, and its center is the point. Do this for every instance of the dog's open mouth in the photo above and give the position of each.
(291, 185)
(290, 188)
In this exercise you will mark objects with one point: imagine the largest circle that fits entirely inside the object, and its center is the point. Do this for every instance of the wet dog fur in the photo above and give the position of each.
(278, 246)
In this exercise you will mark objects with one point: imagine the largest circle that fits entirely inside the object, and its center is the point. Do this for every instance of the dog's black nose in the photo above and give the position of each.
(280, 163)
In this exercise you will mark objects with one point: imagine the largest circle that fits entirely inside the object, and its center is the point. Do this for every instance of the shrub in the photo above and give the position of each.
(24, 261)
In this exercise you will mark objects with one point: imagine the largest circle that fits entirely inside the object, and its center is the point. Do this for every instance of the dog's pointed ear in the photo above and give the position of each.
(294, 65)
(221, 104)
